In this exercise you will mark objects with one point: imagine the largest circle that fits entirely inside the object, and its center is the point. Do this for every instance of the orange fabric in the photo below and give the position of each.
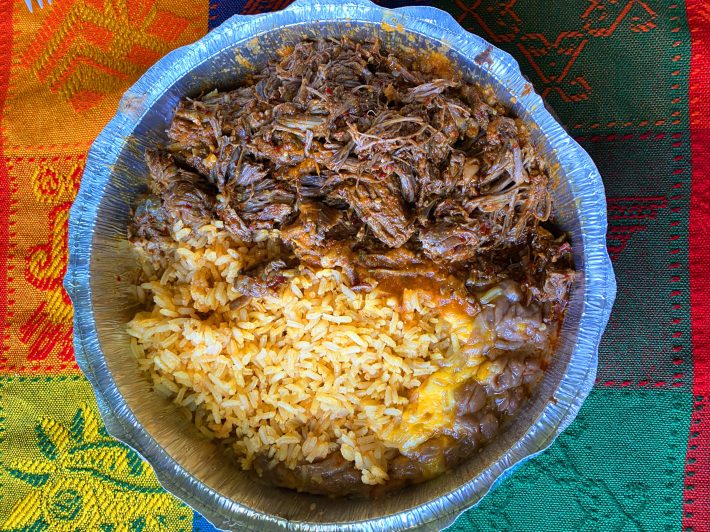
(63, 69)
(70, 64)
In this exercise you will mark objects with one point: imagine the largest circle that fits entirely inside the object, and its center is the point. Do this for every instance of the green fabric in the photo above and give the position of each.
(603, 63)
(619, 466)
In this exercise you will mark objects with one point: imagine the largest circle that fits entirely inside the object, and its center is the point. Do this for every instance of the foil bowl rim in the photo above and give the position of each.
(121, 422)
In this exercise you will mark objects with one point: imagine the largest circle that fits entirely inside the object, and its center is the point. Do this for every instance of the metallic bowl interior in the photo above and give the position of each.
(101, 274)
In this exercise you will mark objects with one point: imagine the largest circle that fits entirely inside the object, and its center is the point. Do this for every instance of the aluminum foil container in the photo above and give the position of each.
(101, 274)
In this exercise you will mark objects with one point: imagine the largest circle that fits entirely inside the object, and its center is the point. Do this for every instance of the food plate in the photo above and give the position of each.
(101, 273)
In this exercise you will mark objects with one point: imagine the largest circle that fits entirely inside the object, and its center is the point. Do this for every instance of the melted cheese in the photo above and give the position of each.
(432, 408)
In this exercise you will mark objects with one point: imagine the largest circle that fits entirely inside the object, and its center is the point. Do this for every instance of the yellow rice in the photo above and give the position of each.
(313, 369)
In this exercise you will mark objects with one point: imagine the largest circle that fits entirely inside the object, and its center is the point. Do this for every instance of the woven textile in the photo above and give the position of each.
(630, 80)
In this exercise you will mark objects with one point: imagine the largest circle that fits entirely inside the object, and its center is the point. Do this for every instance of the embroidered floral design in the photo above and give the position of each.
(82, 479)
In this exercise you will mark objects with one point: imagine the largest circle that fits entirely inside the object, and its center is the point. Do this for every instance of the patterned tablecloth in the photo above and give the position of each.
(629, 78)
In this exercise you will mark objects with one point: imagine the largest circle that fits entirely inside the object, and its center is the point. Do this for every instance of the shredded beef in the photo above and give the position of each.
(390, 169)
(411, 154)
